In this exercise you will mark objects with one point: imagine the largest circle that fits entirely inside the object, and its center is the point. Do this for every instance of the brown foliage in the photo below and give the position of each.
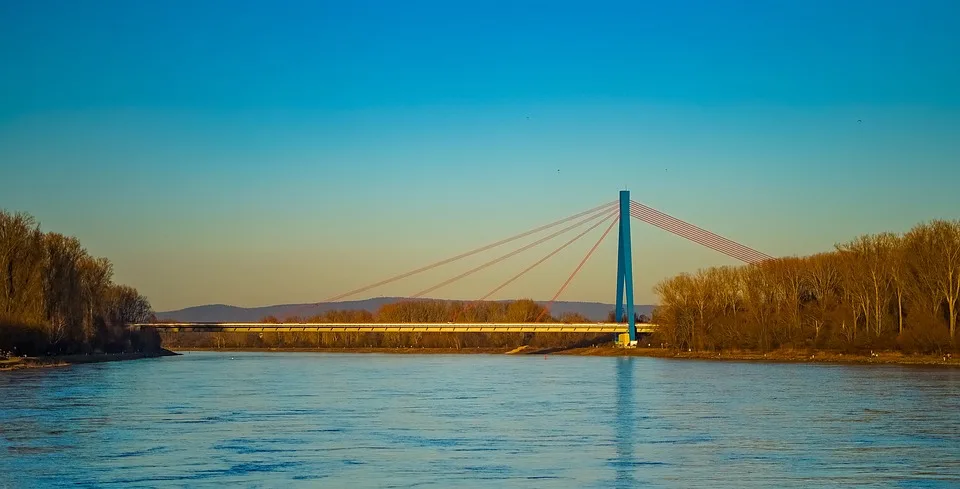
(56, 298)
(877, 291)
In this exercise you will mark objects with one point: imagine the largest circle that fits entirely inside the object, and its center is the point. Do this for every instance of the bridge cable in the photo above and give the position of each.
(688, 225)
(706, 242)
(645, 213)
(679, 222)
(699, 239)
(693, 233)
(469, 253)
(546, 308)
(508, 255)
(531, 267)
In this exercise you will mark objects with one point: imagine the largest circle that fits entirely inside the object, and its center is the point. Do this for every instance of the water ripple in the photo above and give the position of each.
(448, 421)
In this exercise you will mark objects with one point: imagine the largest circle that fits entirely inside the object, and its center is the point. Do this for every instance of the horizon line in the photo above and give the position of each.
(301, 304)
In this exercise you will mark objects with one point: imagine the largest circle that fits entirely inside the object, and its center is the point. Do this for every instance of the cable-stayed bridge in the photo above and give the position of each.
(616, 213)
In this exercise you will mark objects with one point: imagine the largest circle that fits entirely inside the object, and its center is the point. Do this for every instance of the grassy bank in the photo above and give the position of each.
(65, 360)
(778, 356)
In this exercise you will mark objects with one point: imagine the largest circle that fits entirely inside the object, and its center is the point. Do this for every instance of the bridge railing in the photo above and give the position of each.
(241, 327)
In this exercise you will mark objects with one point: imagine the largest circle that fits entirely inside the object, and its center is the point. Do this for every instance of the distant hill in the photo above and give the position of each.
(595, 311)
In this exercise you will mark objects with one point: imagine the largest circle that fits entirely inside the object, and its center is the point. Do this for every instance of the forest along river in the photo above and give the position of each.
(379, 420)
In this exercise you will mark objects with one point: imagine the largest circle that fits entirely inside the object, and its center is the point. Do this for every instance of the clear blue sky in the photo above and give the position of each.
(267, 152)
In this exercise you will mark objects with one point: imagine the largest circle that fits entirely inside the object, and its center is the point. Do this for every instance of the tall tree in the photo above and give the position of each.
(895, 263)
(50, 285)
(934, 261)
(63, 288)
(22, 259)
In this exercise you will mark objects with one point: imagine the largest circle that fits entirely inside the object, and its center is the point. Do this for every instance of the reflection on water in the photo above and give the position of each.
(625, 424)
(328, 420)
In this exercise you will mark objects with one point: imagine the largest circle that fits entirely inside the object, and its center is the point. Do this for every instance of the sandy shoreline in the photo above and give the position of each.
(779, 356)
(65, 360)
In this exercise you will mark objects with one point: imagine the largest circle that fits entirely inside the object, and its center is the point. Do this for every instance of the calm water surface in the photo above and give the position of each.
(440, 421)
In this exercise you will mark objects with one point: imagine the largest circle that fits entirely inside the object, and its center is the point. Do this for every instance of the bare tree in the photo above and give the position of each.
(22, 259)
(895, 264)
(823, 279)
(933, 251)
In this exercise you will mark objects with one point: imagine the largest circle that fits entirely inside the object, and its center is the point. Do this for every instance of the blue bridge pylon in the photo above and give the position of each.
(625, 270)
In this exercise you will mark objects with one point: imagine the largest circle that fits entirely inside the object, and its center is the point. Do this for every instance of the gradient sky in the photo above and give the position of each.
(255, 153)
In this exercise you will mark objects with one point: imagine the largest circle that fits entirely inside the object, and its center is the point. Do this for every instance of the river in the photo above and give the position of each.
(442, 421)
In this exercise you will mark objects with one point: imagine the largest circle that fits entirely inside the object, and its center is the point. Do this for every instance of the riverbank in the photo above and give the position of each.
(66, 360)
(778, 356)
(398, 351)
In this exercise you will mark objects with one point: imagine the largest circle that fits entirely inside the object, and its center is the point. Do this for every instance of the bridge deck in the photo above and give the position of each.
(398, 327)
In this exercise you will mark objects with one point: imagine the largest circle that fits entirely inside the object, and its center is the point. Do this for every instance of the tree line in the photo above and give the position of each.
(55, 298)
(407, 311)
(885, 291)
